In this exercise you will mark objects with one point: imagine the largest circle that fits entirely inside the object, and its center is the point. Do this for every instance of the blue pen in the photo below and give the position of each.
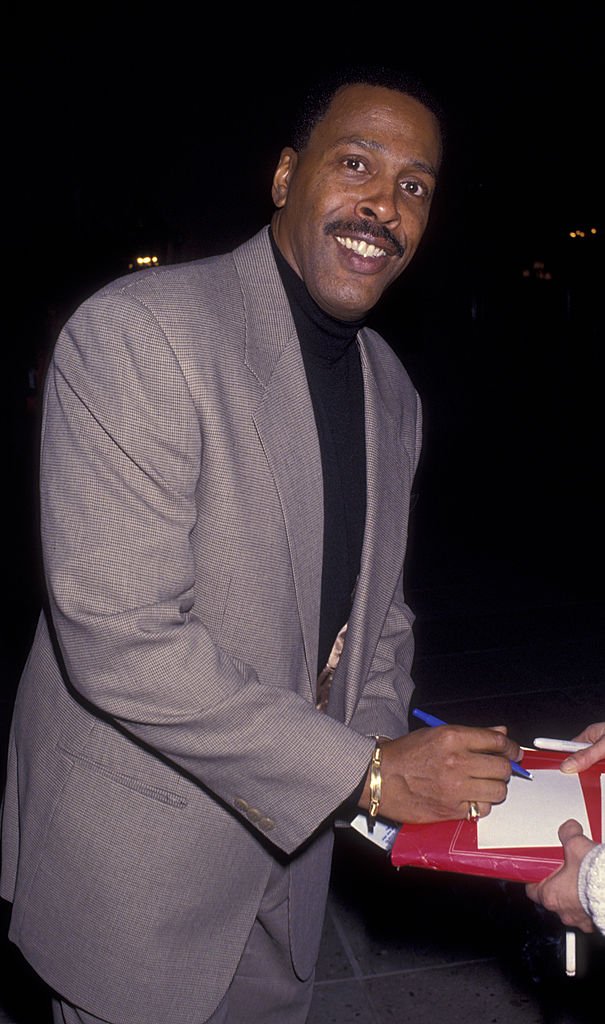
(432, 721)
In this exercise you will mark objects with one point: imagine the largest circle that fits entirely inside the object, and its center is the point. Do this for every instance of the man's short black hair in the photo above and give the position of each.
(315, 102)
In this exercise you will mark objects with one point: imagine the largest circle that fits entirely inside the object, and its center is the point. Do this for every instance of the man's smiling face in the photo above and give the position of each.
(352, 206)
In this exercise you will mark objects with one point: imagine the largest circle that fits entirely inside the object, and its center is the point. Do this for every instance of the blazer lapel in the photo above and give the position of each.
(389, 478)
(285, 424)
(286, 428)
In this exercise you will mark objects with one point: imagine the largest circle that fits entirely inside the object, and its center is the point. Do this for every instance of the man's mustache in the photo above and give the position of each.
(364, 227)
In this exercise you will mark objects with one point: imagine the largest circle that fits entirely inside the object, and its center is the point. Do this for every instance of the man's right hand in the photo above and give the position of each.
(433, 774)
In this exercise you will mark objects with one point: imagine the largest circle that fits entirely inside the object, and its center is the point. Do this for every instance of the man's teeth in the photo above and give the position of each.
(361, 247)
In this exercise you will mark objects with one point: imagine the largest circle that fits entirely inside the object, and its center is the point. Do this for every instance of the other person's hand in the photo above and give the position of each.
(559, 892)
(583, 759)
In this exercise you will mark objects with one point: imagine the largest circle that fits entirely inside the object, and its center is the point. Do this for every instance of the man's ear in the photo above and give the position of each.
(283, 174)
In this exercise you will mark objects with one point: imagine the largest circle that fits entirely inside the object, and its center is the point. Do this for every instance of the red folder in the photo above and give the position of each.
(452, 845)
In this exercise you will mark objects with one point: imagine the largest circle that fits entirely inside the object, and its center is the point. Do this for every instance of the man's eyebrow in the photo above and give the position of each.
(419, 165)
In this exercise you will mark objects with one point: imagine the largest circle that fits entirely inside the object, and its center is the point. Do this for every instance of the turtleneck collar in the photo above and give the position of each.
(328, 337)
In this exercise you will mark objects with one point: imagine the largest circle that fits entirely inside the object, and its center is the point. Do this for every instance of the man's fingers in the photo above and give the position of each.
(495, 741)
(484, 809)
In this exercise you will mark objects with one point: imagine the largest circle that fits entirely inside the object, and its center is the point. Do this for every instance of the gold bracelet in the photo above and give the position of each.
(375, 785)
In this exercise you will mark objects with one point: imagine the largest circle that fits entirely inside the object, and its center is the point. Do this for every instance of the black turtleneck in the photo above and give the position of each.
(334, 375)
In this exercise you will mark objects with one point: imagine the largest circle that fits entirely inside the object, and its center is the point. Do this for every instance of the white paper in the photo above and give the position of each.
(533, 810)
(383, 833)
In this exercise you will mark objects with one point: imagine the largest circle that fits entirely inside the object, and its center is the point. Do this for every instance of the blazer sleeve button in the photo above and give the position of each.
(240, 804)
(266, 824)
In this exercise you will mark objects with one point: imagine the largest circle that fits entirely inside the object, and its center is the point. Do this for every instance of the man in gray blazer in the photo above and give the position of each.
(226, 464)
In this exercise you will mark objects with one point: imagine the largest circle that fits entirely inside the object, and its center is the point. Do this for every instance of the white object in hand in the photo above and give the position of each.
(566, 746)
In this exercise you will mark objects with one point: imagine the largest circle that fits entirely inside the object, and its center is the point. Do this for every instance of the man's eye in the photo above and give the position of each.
(414, 188)
(354, 163)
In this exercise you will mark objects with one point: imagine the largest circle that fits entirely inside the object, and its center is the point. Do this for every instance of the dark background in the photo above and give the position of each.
(143, 132)
(139, 130)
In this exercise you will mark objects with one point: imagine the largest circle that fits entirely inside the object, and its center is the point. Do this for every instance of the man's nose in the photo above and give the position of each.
(380, 204)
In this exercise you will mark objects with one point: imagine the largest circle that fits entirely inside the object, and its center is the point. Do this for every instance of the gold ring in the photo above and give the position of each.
(473, 811)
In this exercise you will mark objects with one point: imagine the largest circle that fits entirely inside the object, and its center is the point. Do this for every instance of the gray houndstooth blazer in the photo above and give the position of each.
(165, 745)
